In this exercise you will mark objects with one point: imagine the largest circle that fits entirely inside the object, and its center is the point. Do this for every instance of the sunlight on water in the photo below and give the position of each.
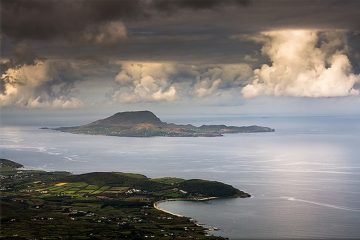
(304, 178)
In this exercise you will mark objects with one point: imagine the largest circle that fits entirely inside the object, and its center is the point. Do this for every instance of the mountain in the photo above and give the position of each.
(147, 124)
(129, 119)
(6, 164)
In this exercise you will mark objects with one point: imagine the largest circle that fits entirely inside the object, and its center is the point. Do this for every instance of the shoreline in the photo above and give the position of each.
(207, 228)
(155, 205)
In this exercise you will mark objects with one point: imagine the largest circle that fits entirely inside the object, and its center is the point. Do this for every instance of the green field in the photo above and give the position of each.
(53, 205)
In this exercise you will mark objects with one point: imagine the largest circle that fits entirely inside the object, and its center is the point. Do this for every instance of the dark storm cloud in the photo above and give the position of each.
(162, 30)
(172, 6)
(81, 39)
(46, 19)
(23, 54)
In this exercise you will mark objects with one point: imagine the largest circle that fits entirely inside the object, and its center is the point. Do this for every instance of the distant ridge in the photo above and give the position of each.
(147, 124)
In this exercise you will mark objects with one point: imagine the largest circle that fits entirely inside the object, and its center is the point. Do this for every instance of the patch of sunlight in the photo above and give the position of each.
(60, 184)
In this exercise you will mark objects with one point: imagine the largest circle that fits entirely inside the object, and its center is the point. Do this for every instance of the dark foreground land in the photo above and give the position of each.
(147, 124)
(112, 205)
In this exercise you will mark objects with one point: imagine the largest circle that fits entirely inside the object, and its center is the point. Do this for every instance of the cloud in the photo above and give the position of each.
(168, 95)
(206, 87)
(173, 6)
(50, 19)
(167, 81)
(145, 82)
(44, 84)
(304, 63)
(109, 33)
(161, 30)
(214, 79)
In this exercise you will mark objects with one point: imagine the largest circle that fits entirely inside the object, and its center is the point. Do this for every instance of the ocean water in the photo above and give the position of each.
(304, 178)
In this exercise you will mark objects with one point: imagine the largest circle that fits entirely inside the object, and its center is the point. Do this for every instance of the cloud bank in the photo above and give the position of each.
(304, 63)
(166, 81)
(52, 19)
(42, 84)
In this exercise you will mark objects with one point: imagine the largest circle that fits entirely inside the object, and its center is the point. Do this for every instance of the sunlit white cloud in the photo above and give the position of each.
(304, 63)
(206, 87)
(167, 81)
(145, 82)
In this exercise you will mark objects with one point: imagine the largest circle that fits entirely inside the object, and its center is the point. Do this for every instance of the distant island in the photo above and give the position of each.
(147, 124)
(99, 205)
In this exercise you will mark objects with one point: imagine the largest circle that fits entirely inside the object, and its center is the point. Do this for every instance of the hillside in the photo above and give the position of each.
(6, 164)
(128, 119)
(147, 124)
(99, 205)
(193, 187)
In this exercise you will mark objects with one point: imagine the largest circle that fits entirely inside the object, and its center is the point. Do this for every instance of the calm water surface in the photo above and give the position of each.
(304, 178)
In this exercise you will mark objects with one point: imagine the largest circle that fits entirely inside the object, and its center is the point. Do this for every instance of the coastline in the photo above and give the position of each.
(155, 205)
(135, 212)
(207, 228)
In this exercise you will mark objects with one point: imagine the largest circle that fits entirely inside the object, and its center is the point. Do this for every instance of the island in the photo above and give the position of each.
(99, 205)
(147, 124)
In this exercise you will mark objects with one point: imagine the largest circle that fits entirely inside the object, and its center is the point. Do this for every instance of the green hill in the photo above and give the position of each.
(194, 187)
(117, 179)
(6, 164)
(210, 188)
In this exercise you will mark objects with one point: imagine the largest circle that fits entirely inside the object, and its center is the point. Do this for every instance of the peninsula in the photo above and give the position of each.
(147, 124)
(98, 205)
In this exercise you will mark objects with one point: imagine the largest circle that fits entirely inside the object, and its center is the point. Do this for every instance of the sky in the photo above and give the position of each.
(255, 57)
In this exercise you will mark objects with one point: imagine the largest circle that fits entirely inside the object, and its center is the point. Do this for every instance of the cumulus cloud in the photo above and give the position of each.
(214, 79)
(167, 81)
(43, 84)
(206, 87)
(145, 82)
(304, 63)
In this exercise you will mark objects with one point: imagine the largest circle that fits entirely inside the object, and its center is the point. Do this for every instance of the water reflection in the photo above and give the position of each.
(304, 177)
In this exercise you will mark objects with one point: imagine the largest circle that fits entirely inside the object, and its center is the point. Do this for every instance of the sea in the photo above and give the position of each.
(304, 178)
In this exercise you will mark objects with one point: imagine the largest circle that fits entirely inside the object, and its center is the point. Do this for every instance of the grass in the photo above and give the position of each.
(96, 205)
(60, 184)
(120, 189)
(168, 180)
